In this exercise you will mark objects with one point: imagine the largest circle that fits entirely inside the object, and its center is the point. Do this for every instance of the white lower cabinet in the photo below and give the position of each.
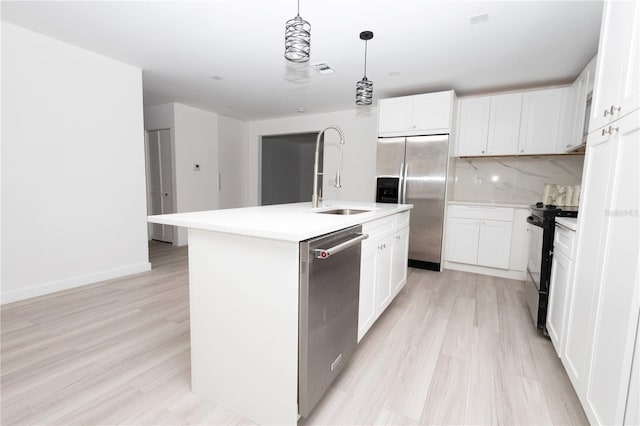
(383, 272)
(399, 260)
(560, 287)
(462, 243)
(479, 235)
(383, 268)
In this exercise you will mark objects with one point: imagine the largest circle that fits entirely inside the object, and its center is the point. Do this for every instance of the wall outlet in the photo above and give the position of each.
(196, 167)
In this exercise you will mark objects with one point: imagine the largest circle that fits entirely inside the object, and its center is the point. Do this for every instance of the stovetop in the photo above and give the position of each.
(550, 211)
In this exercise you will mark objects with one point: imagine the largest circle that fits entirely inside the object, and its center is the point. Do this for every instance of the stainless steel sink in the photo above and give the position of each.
(344, 211)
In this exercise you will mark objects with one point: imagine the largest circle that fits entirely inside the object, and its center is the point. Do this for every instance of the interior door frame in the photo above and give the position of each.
(174, 236)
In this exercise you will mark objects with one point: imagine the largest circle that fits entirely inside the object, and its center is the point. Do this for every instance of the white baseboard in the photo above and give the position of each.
(484, 270)
(66, 284)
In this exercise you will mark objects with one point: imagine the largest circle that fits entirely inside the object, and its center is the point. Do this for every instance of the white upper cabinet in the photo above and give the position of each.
(416, 115)
(580, 90)
(520, 123)
(473, 126)
(489, 125)
(617, 83)
(504, 124)
(543, 111)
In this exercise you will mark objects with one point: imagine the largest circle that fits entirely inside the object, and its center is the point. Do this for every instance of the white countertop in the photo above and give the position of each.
(489, 203)
(288, 222)
(568, 222)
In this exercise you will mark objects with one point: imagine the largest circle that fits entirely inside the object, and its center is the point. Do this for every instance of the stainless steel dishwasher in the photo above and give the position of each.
(328, 317)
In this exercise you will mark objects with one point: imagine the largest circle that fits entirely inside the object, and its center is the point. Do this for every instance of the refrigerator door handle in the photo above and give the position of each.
(404, 183)
(401, 180)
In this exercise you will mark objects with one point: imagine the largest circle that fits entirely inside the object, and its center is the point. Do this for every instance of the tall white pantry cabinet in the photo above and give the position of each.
(605, 302)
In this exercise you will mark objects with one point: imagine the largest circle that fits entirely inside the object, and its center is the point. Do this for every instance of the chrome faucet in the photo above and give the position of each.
(316, 198)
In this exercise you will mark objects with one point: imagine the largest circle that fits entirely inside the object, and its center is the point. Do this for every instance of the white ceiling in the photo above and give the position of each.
(418, 47)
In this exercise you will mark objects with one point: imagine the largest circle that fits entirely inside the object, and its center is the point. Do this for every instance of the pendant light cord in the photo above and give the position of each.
(298, 7)
(365, 58)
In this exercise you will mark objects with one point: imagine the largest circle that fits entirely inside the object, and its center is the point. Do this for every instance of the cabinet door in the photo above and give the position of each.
(395, 115)
(558, 290)
(616, 87)
(494, 245)
(504, 124)
(540, 124)
(577, 103)
(618, 302)
(473, 126)
(399, 260)
(383, 273)
(462, 240)
(367, 304)
(432, 112)
(596, 181)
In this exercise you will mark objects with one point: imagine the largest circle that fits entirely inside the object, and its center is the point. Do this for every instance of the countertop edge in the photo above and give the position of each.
(291, 236)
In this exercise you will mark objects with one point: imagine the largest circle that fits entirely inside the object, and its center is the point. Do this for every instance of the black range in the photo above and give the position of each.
(541, 234)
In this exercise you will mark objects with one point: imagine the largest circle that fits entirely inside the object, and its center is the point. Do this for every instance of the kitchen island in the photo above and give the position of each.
(244, 301)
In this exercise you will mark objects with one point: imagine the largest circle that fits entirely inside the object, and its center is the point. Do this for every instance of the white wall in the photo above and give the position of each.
(194, 138)
(232, 161)
(359, 157)
(158, 117)
(196, 142)
(73, 176)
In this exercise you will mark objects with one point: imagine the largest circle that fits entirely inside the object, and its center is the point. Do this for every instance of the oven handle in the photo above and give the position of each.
(533, 221)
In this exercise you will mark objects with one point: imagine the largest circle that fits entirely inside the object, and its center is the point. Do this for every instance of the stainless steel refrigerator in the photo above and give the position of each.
(413, 170)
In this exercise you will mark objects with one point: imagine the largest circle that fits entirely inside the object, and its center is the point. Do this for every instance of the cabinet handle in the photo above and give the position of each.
(568, 145)
(397, 237)
(612, 110)
(522, 150)
(611, 130)
(482, 151)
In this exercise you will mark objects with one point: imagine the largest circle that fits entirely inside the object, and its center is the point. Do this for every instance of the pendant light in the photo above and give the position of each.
(297, 39)
(364, 88)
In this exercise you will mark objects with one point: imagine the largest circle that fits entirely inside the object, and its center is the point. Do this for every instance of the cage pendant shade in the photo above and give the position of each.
(364, 87)
(364, 92)
(297, 39)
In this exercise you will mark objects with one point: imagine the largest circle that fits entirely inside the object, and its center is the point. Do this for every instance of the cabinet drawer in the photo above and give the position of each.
(379, 227)
(402, 220)
(482, 212)
(564, 241)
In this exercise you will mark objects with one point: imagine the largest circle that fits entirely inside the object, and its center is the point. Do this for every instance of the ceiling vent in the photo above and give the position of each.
(323, 68)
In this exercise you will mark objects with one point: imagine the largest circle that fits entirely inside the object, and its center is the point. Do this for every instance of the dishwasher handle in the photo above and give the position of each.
(328, 252)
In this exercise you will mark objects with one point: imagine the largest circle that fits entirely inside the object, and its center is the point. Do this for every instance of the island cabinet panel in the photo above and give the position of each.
(243, 294)
(399, 260)
(367, 303)
(383, 270)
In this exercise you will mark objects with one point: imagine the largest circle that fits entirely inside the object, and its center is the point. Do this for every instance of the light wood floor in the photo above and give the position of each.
(453, 348)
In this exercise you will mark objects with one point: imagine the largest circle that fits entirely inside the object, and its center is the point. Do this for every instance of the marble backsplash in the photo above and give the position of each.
(513, 179)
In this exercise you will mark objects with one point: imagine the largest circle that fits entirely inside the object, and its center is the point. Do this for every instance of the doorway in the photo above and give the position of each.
(287, 168)
(159, 181)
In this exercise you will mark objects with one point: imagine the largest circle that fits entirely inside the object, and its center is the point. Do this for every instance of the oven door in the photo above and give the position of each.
(536, 241)
(536, 300)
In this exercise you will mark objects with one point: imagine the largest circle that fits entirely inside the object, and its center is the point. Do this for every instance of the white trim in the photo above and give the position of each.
(66, 284)
(484, 270)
